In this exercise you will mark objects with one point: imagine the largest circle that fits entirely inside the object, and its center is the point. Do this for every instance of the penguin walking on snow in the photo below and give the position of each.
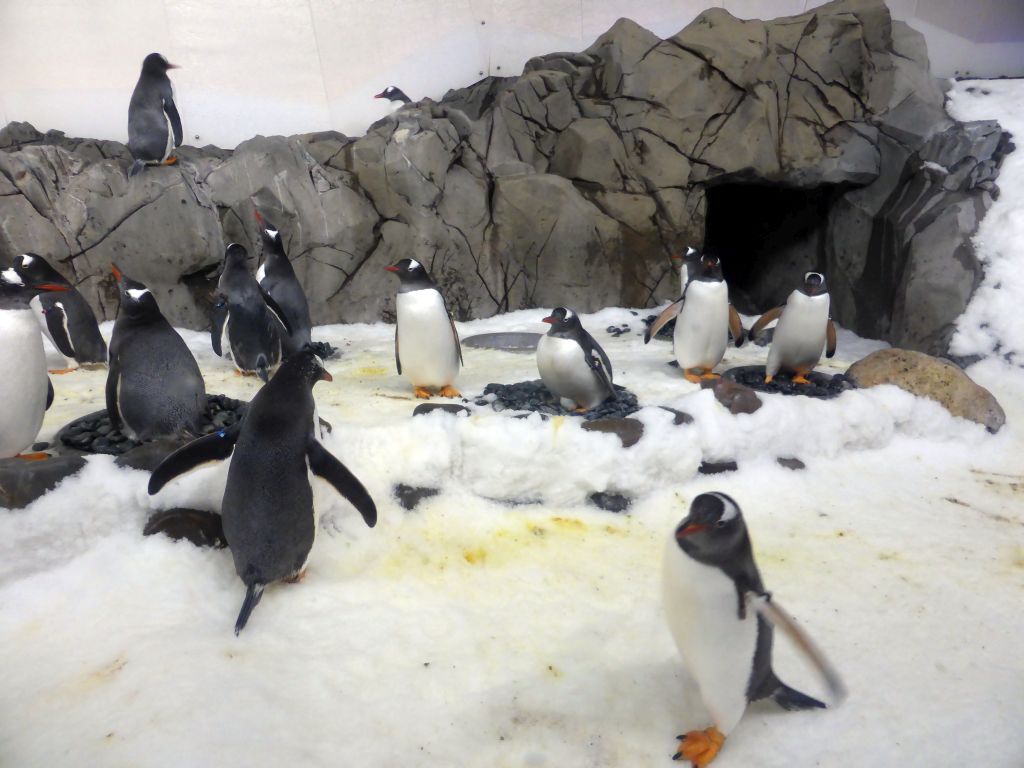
(248, 324)
(804, 329)
(154, 126)
(427, 348)
(572, 364)
(705, 320)
(65, 317)
(269, 520)
(25, 389)
(721, 618)
(278, 279)
(154, 387)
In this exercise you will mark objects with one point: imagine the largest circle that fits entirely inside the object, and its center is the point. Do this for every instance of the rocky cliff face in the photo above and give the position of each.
(570, 184)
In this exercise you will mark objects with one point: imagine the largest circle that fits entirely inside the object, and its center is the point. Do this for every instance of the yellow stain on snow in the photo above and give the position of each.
(371, 370)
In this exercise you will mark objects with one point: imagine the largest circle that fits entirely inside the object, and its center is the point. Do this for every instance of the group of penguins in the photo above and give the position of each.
(718, 610)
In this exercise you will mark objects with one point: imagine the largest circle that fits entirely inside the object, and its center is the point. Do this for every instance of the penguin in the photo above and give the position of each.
(66, 318)
(154, 126)
(154, 386)
(427, 348)
(572, 364)
(248, 324)
(395, 95)
(804, 329)
(267, 510)
(278, 279)
(688, 264)
(25, 389)
(705, 320)
(713, 598)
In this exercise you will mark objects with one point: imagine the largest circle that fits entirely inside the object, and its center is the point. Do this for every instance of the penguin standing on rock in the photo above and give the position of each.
(65, 317)
(572, 364)
(278, 279)
(154, 126)
(804, 329)
(25, 389)
(248, 324)
(269, 519)
(722, 620)
(427, 348)
(154, 387)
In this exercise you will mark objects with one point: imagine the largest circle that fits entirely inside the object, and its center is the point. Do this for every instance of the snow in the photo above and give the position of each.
(993, 322)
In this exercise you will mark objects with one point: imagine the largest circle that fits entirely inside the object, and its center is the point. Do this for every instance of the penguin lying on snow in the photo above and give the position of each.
(268, 515)
(154, 387)
(427, 349)
(804, 329)
(154, 126)
(705, 320)
(66, 318)
(710, 584)
(278, 279)
(572, 364)
(248, 324)
(25, 389)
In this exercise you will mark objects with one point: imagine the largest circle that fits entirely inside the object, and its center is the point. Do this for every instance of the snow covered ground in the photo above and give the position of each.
(473, 632)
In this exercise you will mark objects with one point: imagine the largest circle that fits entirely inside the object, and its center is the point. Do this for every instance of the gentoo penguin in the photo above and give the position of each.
(66, 318)
(154, 387)
(716, 607)
(427, 348)
(395, 95)
(688, 264)
(705, 320)
(278, 279)
(154, 127)
(572, 364)
(268, 514)
(248, 324)
(804, 329)
(25, 390)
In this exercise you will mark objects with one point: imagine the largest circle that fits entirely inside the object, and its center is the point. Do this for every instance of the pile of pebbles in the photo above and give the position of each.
(822, 386)
(534, 396)
(94, 433)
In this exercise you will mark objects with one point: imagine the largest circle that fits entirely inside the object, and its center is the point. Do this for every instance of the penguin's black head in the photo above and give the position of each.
(412, 274)
(305, 365)
(561, 320)
(690, 258)
(713, 528)
(155, 64)
(136, 299)
(235, 255)
(709, 268)
(271, 235)
(16, 291)
(814, 284)
(34, 269)
(391, 93)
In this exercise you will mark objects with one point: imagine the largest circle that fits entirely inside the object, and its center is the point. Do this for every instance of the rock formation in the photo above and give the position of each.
(569, 185)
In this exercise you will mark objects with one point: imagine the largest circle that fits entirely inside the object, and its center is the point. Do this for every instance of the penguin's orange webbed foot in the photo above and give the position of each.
(709, 375)
(59, 371)
(297, 577)
(700, 747)
(695, 378)
(171, 160)
(800, 379)
(768, 379)
(449, 391)
(33, 456)
(422, 393)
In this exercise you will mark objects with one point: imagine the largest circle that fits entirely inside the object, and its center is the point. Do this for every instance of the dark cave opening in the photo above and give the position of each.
(767, 238)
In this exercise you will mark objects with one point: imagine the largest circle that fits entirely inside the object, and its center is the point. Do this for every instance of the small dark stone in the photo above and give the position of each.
(425, 408)
(791, 463)
(409, 496)
(716, 467)
(738, 398)
(507, 342)
(38, 447)
(101, 445)
(103, 429)
(204, 529)
(22, 482)
(679, 417)
(610, 502)
(629, 431)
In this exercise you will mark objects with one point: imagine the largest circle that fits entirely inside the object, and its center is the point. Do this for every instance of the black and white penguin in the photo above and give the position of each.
(154, 126)
(427, 348)
(66, 318)
(572, 364)
(395, 95)
(688, 264)
(278, 279)
(804, 330)
(712, 591)
(705, 320)
(248, 325)
(154, 387)
(269, 519)
(25, 389)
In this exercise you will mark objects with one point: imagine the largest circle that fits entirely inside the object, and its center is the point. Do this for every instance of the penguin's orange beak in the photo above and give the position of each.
(677, 257)
(391, 268)
(325, 376)
(52, 287)
(116, 272)
(174, 66)
(550, 319)
(692, 528)
(259, 219)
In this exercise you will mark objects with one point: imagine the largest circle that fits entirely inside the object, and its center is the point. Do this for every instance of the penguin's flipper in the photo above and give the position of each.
(598, 361)
(172, 115)
(735, 326)
(57, 325)
(136, 168)
(324, 465)
(49, 393)
(253, 593)
(219, 320)
(398, 360)
(830, 338)
(216, 446)
(113, 379)
(669, 313)
(276, 309)
(763, 320)
(455, 335)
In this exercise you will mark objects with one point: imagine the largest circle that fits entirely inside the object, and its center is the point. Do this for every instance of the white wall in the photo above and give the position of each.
(291, 66)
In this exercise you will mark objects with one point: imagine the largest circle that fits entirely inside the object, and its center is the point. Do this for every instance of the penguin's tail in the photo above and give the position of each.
(791, 699)
(137, 167)
(253, 593)
(262, 369)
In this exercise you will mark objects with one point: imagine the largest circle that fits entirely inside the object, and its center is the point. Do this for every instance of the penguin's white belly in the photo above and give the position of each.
(717, 647)
(702, 327)
(564, 370)
(799, 337)
(426, 346)
(22, 381)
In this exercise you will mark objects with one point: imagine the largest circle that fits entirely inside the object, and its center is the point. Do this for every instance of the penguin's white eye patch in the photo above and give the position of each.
(272, 233)
(137, 293)
(320, 361)
(10, 277)
(690, 250)
(729, 510)
(413, 264)
(26, 259)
